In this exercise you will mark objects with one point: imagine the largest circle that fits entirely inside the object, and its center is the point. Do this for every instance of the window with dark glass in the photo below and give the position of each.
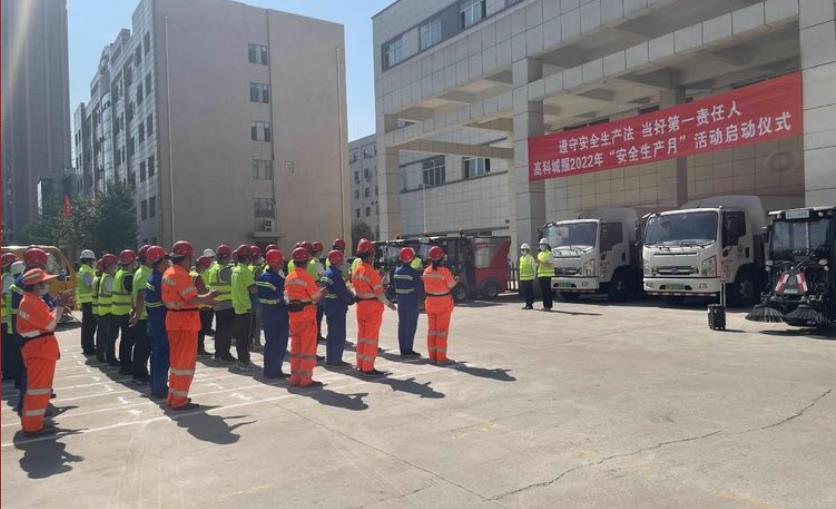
(392, 52)
(260, 131)
(257, 54)
(476, 167)
(142, 174)
(151, 167)
(152, 206)
(429, 34)
(143, 209)
(147, 42)
(434, 172)
(149, 124)
(471, 12)
(262, 169)
(264, 207)
(259, 92)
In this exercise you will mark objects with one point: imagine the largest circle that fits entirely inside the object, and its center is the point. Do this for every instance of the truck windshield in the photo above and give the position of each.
(681, 229)
(791, 240)
(572, 234)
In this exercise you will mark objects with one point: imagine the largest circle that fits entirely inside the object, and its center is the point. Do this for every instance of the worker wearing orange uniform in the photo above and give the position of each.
(303, 296)
(36, 324)
(368, 291)
(182, 323)
(438, 281)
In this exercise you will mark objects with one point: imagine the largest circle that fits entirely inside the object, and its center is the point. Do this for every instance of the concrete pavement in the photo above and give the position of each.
(591, 406)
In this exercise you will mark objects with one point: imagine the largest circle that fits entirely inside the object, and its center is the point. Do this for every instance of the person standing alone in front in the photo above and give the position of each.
(438, 282)
(368, 291)
(545, 272)
(303, 296)
(526, 268)
(182, 323)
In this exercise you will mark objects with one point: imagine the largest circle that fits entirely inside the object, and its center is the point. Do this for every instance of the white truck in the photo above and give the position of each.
(693, 251)
(596, 253)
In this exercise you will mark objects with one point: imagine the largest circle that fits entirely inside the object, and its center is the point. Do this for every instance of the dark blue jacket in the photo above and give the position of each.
(154, 302)
(270, 289)
(333, 284)
(409, 287)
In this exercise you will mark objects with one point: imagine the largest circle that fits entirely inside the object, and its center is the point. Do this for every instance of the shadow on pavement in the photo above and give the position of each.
(209, 428)
(575, 313)
(44, 456)
(409, 385)
(825, 335)
(499, 374)
(323, 396)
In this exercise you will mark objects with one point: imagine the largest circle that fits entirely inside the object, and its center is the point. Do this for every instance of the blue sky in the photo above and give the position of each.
(94, 23)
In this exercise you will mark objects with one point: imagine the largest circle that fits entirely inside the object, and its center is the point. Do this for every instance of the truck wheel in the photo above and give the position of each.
(619, 288)
(569, 296)
(745, 291)
(460, 293)
(490, 290)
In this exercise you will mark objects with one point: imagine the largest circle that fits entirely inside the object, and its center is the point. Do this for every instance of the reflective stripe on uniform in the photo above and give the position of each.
(38, 392)
(187, 290)
(404, 291)
(182, 372)
(366, 295)
(33, 413)
(178, 393)
(269, 301)
(266, 284)
(433, 275)
(406, 277)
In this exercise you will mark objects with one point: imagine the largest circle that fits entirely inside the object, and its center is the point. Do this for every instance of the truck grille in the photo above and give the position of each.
(676, 271)
(566, 271)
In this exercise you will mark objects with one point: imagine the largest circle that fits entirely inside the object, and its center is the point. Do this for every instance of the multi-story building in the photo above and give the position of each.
(36, 105)
(226, 120)
(513, 70)
(362, 174)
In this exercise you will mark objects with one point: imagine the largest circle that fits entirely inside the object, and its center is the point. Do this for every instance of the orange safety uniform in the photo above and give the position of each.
(368, 287)
(301, 290)
(36, 325)
(439, 305)
(182, 323)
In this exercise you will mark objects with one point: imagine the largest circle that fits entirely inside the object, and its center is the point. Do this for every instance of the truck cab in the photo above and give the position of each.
(801, 255)
(596, 253)
(694, 251)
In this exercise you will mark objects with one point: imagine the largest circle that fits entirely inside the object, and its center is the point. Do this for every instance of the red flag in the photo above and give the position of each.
(68, 211)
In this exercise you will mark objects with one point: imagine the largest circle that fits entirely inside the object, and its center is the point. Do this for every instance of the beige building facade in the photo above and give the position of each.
(517, 69)
(249, 123)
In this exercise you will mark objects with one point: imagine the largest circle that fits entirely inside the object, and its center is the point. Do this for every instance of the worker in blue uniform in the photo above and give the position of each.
(158, 338)
(409, 288)
(336, 302)
(273, 313)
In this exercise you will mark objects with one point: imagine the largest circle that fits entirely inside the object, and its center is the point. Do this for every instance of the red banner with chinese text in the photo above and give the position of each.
(765, 111)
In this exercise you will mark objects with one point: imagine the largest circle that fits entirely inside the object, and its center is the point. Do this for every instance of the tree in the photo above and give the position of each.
(359, 230)
(115, 225)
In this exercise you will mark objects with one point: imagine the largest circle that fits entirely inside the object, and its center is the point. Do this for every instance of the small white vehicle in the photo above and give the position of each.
(596, 253)
(693, 251)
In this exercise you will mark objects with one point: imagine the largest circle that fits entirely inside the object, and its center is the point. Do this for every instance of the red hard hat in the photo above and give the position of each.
(255, 251)
(204, 261)
(317, 247)
(307, 246)
(335, 257)
(300, 254)
(243, 250)
(436, 253)
(274, 257)
(99, 265)
(181, 248)
(365, 246)
(155, 254)
(270, 247)
(143, 251)
(8, 259)
(108, 259)
(224, 250)
(407, 254)
(127, 257)
(338, 244)
(34, 257)
(298, 244)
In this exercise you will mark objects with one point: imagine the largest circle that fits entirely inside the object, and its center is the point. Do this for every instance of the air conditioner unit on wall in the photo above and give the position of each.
(268, 225)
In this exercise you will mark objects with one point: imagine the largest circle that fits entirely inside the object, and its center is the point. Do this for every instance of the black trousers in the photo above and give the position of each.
(205, 324)
(102, 337)
(88, 329)
(12, 360)
(142, 350)
(126, 342)
(320, 312)
(224, 325)
(546, 290)
(242, 330)
(527, 292)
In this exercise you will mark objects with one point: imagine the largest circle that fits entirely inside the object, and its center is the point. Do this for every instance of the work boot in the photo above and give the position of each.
(338, 364)
(187, 406)
(373, 372)
(201, 352)
(244, 366)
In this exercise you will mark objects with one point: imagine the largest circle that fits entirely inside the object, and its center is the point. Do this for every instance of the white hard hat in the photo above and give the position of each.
(87, 255)
(208, 252)
(543, 241)
(525, 246)
(18, 268)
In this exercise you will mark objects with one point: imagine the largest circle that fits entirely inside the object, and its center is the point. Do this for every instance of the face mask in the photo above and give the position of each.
(42, 290)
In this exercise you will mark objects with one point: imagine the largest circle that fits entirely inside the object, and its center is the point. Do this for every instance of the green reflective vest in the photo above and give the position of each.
(219, 279)
(417, 263)
(242, 279)
(7, 298)
(96, 281)
(84, 292)
(356, 265)
(121, 304)
(140, 278)
(545, 267)
(313, 268)
(526, 267)
(105, 294)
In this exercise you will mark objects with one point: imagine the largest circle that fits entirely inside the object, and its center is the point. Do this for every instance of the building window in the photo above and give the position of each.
(356, 194)
(149, 124)
(260, 131)
(264, 207)
(139, 94)
(141, 132)
(142, 175)
(434, 172)
(366, 193)
(366, 173)
(257, 54)
(356, 177)
(143, 210)
(357, 213)
(375, 190)
(392, 53)
(262, 169)
(148, 83)
(152, 206)
(131, 146)
(429, 33)
(259, 93)
(147, 42)
(138, 55)
(368, 211)
(476, 167)
(471, 12)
